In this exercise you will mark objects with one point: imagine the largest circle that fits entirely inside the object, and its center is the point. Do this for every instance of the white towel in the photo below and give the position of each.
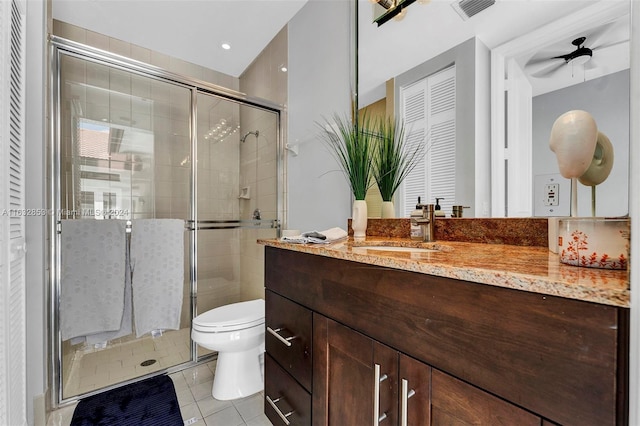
(157, 265)
(92, 276)
(126, 327)
(334, 234)
(331, 235)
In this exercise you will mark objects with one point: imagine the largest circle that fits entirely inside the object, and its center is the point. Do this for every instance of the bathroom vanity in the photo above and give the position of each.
(460, 335)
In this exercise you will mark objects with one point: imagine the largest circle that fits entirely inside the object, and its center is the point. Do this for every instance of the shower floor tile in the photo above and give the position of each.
(206, 411)
(94, 369)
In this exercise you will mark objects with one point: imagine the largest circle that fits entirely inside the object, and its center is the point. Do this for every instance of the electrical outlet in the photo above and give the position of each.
(552, 195)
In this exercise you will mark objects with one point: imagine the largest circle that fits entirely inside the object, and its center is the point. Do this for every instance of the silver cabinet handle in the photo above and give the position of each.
(276, 333)
(406, 394)
(283, 416)
(377, 418)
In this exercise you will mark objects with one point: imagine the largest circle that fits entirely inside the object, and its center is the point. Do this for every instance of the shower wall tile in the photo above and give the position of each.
(184, 68)
(263, 79)
(141, 87)
(160, 60)
(71, 32)
(267, 186)
(140, 54)
(119, 47)
(120, 82)
(95, 39)
(225, 294)
(98, 76)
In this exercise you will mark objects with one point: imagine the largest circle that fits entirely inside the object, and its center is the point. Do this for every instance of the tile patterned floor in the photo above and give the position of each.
(198, 407)
(97, 368)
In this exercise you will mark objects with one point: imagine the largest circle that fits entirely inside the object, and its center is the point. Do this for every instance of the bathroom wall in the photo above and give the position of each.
(319, 85)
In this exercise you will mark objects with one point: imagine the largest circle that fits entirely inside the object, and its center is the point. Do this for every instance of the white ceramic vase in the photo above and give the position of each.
(359, 219)
(388, 210)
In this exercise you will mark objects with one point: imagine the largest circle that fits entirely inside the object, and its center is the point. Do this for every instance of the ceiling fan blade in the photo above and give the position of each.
(542, 57)
(596, 35)
(547, 71)
(606, 45)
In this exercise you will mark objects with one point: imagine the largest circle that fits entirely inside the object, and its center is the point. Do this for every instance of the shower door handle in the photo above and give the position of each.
(276, 333)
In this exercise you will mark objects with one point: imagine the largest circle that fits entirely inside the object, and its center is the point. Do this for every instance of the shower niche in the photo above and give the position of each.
(136, 147)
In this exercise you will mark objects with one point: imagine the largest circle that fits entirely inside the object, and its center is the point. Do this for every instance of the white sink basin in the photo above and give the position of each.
(401, 249)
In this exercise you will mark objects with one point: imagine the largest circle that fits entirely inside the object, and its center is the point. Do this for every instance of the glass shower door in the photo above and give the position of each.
(237, 199)
(124, 154)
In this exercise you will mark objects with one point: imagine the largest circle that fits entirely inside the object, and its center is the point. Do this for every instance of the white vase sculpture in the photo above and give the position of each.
(359, 219)
(388, 210)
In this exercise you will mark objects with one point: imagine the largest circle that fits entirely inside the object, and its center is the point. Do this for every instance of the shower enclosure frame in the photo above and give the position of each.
(58, 47)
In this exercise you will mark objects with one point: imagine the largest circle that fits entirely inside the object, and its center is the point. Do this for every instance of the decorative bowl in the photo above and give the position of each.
(594, 242)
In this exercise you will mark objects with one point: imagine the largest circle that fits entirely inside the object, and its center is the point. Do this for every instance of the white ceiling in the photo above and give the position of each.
(193, 30)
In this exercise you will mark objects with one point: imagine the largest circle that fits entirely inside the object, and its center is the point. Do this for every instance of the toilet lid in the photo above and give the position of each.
(231, 317)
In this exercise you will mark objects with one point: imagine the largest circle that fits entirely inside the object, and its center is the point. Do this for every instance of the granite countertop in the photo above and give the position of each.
(533, 269)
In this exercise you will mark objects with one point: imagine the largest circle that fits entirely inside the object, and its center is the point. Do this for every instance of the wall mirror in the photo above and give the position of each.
(513, 88)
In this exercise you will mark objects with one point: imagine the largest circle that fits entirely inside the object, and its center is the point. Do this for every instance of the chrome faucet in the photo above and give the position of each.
(426, 222)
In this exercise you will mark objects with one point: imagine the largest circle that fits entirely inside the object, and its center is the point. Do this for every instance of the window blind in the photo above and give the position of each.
(428, 108)
(12, 219)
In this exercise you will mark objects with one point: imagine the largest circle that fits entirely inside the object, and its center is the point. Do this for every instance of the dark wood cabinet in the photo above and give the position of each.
(288, 362)
(454, 402)
(288, 336)
(286, 402)
(414, 391)
(355, 378)
(359, 381)
(471, 353)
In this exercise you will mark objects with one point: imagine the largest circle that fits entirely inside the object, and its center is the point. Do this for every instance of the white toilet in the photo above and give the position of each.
(236, 332)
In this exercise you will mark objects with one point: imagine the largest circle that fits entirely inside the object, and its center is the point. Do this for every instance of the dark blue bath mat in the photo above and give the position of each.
(150, 402)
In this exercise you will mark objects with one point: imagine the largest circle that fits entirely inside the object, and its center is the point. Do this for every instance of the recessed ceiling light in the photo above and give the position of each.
(283, 68)
(226, 46)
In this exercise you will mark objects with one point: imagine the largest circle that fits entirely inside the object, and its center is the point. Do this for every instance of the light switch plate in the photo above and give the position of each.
(551, 195)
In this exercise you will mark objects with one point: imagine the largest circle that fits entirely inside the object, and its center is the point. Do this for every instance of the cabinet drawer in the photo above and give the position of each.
(284, 399)
(288, 337)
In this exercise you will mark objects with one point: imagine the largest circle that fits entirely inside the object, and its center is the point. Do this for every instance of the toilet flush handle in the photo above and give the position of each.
(276, 333)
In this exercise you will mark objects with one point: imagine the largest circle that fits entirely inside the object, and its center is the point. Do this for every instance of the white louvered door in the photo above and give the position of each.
(12, 213)
(428, 108)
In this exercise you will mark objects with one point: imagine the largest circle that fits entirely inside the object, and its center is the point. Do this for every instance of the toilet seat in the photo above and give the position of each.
(233, 317)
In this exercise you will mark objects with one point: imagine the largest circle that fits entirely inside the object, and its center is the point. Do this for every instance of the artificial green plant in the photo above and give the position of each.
(394, 157)
(351, 144)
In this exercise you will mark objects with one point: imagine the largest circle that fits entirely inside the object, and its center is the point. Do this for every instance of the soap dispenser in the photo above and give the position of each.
(438, 210)
(416, 230)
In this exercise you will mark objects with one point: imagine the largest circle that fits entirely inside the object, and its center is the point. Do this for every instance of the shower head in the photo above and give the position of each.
(255, 133)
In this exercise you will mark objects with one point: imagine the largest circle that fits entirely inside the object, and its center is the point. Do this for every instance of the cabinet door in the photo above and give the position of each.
(354, 378)
(455, 402)
(288, 337)
(415, 392)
